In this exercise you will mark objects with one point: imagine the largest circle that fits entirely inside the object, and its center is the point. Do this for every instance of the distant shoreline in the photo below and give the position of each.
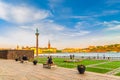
(112, 56)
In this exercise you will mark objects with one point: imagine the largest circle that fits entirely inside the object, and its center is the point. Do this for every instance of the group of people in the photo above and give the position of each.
(49, 61)
(25, 58)
(72, 56)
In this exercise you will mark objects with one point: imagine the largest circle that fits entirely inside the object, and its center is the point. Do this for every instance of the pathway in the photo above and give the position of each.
(115, 71)
(11, 70)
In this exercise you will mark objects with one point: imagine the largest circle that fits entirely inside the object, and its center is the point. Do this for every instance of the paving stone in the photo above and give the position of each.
(12, 70)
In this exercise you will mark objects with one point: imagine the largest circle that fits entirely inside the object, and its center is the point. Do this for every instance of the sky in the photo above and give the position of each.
(66, 23)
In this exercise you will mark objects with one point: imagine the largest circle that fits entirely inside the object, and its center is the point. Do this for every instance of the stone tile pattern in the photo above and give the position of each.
(12, 70)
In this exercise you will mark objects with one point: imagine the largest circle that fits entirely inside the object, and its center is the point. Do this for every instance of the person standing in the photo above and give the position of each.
(73, 56)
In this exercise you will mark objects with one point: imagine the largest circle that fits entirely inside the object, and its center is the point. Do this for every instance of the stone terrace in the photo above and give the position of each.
(12, 70)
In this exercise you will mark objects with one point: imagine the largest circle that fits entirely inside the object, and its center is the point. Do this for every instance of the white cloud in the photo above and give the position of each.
(113, 25)
(82, 24)
(81, 17)
(87, 24)
(117, 27)
(60, 31)
(76, 33)
(25, 35)
(105, 13)
(21, 13)
(93, 16)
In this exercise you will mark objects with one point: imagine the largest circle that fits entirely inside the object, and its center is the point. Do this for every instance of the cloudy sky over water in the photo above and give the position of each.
(66, 23)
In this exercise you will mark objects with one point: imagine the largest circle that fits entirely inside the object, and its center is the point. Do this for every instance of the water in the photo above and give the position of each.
(85, 55)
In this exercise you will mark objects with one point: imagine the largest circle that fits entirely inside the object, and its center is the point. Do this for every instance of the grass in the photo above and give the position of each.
(118, 74)
(98, 70)
(112, 65)
(60, 62)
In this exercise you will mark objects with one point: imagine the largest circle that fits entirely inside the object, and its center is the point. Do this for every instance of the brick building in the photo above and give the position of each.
(12, 54)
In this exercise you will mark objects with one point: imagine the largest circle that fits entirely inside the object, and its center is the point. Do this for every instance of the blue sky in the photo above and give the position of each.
(66, 23)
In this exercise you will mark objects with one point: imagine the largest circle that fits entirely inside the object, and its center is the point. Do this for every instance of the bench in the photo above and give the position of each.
(49, 66)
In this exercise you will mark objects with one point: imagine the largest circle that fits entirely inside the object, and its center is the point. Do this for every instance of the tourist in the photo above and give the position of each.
(104, 56)
(70, 56)
(50, 60)
(73, 56)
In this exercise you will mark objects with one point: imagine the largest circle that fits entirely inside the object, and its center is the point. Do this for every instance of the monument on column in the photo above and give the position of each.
(37, 34)
(49, 46)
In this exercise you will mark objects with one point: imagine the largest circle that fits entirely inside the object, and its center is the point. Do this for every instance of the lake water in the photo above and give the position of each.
(85, 55)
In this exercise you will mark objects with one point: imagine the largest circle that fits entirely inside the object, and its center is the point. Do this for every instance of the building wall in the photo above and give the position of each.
(12, 54)
(44, 50)
(3, 54)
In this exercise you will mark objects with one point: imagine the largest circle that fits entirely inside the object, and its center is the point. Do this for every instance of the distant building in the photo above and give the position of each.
(49, 49)
(71, 50)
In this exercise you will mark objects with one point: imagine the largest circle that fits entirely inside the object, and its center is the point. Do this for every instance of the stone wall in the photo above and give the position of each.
(12, 54)
(3, 54)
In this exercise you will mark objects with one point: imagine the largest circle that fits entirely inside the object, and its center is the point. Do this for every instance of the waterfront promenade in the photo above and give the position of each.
(12, 70)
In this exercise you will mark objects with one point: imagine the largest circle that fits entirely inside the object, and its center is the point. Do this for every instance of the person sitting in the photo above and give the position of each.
(50, 62)
(24, 58)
